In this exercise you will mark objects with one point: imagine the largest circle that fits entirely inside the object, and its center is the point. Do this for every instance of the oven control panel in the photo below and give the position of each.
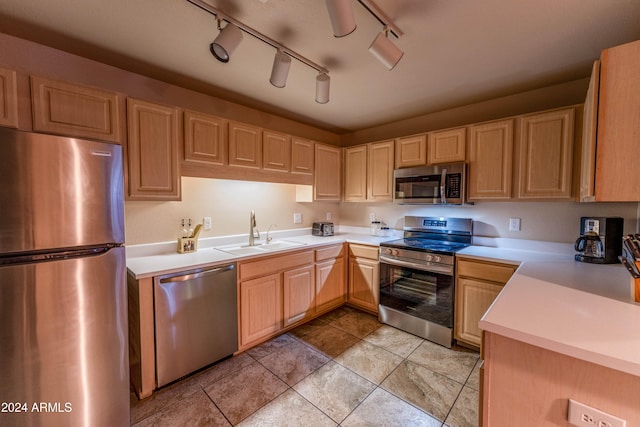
(417, 255)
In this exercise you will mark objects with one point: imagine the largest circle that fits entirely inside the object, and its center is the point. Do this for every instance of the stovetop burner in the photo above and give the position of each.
(426, 245)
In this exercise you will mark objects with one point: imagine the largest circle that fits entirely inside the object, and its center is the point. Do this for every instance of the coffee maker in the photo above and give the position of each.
(600, 240)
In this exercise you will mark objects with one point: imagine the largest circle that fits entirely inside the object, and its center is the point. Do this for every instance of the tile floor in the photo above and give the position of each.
(344, 368)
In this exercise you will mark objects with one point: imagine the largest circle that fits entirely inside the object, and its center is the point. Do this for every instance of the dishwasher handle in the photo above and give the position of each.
(197, 274)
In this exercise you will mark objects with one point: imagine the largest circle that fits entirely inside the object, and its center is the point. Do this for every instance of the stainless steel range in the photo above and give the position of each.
(417, 280)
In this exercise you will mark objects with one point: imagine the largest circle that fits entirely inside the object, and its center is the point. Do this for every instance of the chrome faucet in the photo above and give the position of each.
(252, 229)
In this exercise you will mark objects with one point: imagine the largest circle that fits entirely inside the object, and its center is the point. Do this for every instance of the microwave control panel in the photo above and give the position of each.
(453, 186)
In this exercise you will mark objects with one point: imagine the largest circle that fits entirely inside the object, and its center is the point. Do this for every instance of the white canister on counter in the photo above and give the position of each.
(375, 227)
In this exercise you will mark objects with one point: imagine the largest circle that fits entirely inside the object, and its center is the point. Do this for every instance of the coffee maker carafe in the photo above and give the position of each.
(600, 240)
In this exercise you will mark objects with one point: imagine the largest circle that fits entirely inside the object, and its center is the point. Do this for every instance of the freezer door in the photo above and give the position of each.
(64, 340)
(58, 192)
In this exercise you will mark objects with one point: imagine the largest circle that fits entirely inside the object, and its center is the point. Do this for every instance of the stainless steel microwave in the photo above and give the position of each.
(437, 184)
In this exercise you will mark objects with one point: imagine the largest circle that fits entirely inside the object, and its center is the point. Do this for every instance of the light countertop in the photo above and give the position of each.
(577, 309)
(150, 260)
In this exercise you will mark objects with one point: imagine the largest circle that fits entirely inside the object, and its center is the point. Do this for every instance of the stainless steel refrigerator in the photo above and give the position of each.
(63, 297)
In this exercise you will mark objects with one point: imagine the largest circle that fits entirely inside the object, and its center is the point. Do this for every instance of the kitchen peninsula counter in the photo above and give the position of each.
(577, 309)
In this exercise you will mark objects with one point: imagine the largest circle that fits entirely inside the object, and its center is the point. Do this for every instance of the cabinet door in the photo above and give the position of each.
(276, 151)
(326, 179)
(331, 290)
(546, 155)
(152, 150)
(355, 174)
(69, 109)
(589, 129)
(299, 294)
(447, 146)
(380, 171)
(491, 160)
(364, 283)
(411, 151)
(8, 98)
(473, 298)
(260, 308)
(245, 145)
(617, 178)
(301, 156)
(204, 139)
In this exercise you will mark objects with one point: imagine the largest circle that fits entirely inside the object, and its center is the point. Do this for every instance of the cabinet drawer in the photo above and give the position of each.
(273, 264)
(362, 251)
(488, 271)
(329, 252)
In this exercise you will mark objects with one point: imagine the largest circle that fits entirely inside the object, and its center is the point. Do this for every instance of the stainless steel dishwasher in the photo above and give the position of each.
(196, 321)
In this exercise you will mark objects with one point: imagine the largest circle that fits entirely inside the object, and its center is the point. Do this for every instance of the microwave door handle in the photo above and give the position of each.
(443, 182)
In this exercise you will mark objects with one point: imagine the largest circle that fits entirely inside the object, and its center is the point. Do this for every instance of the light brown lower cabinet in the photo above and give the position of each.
(364, 277)
(260, 307)
(299, 294)
(528, 386)
(280, 291)
(478, 283)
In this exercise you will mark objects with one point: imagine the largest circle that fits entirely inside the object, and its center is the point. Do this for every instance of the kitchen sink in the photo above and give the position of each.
(260, 248)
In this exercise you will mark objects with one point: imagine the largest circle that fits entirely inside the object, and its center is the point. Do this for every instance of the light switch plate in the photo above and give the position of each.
(206, 221)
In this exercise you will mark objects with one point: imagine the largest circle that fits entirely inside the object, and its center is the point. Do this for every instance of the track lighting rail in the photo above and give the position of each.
(221, 16)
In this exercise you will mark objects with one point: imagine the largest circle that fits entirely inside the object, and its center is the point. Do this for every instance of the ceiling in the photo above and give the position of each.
(456, 52)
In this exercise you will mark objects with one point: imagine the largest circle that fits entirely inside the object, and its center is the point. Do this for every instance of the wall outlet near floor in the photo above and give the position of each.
(514, 224)
(582, 415)
(297, 218)
(206, 223)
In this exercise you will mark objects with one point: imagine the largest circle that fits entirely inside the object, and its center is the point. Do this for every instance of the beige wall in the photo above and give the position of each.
(550, 221)
(228, 203)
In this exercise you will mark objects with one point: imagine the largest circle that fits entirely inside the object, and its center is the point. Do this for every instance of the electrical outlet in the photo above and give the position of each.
(372, 216)
(514, 224)
(206, 222)
(328, 216)
(581, 415)
(297, 218)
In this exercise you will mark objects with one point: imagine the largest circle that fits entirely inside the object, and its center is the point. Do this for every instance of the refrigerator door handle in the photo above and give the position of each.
(197, 274)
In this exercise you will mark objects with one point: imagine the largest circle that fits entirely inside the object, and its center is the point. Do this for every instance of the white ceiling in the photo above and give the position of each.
(457, 52)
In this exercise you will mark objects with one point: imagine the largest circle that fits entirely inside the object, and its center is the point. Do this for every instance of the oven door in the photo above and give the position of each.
(413, 289)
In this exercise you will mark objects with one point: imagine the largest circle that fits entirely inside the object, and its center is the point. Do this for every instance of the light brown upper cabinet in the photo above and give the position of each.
(616, 160)
(411, 151)
(355, 174)
(245, 145)
(368, 172)
(301, 156)
(327, 177)
(546, 155)
(276, 151)
(380, 171)
(589, 129)
(69, 109)
(8, 98)
(152, 151)
(204, 139)
(491, 160)
(447, 146)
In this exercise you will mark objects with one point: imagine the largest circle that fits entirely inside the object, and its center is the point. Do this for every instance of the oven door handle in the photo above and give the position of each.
(448, 270)
(443, 184)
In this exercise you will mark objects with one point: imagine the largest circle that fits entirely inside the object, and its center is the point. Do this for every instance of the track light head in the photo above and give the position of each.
(280, 70)
(341, 15)
(227, 41)
(322, 88)
(384, 49)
